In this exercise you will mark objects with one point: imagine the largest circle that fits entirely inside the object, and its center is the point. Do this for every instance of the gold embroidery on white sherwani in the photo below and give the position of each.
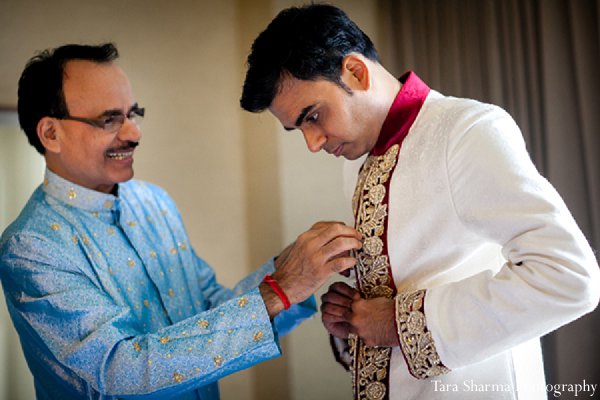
(415, 339)
(370, 364)
(371, 214)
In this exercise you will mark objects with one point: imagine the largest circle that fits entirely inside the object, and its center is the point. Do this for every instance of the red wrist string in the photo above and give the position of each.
(268, 279)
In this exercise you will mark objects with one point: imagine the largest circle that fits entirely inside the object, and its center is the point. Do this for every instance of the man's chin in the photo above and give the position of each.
(123, 176)
(351, 157)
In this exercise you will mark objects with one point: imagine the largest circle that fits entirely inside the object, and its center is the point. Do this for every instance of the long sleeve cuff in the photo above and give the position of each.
(416, 341)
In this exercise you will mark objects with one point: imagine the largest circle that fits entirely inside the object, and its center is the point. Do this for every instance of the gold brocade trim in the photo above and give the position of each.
(370, 371)
(370, 365)
(415, 339)
(370, 215)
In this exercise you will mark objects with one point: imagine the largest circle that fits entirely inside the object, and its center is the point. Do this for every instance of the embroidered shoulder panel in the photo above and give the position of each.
(415, 338)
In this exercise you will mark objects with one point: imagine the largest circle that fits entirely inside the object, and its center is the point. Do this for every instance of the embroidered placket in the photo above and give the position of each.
(370, 365)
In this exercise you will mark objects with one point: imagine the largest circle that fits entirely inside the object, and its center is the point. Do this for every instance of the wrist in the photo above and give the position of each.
(276, 288)
(272, 302)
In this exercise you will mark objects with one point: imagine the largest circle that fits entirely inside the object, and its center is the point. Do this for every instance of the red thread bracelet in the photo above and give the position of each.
(268, 279)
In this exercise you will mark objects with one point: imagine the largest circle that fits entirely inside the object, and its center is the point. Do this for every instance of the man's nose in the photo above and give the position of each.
(130, 131)
(314, 139)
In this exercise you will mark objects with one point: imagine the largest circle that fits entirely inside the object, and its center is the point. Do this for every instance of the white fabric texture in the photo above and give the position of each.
(503, 261)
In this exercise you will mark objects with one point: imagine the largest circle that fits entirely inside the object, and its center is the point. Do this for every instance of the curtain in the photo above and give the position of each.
(540, 60)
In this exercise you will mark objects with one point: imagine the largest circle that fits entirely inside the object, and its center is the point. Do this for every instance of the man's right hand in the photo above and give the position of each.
(336, 309)
(311, 260)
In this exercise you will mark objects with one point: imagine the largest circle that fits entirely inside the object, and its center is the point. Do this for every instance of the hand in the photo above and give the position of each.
(280, 260)
(282, 257)
(316, 254)
(344, 311)
(336, 309)
(373, 320)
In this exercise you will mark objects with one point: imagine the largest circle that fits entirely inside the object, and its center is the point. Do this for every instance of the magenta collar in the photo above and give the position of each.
(403, 112)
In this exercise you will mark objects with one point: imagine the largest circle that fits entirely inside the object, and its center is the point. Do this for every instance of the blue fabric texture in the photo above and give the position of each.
(111, 301)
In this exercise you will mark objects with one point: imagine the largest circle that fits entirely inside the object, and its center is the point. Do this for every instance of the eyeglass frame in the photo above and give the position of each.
(134, 113)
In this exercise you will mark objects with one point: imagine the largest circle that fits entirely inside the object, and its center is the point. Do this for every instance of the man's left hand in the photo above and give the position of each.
(343, 311)
(373, 320)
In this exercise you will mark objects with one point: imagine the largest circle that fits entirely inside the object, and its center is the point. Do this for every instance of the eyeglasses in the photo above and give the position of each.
(113, 120)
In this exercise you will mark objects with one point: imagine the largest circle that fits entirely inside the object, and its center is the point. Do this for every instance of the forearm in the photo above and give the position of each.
(272, 301)
(117, 360)
(194, 352)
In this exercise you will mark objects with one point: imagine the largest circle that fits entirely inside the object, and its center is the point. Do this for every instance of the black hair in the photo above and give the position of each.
(41, 84)
(307, 42)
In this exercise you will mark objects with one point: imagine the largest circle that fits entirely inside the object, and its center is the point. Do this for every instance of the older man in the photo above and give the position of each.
(104, 289)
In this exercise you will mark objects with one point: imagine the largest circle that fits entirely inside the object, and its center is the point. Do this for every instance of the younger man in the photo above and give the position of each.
(469, 254)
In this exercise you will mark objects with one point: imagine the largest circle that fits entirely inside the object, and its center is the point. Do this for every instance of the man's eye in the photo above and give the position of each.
(113, 121)
(313, 118)
(109, 119)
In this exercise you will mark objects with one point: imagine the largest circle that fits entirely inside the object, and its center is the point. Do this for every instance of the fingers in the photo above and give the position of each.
(343, 311)
(329, 241)
(324, 224)
(342, 289)
(343, 254)
(338, 229)
(340, 247)
(333, 313)
(314, 257)
(335, 301)
(336, 305)
(324, 232)
(337, 253)
(341, 264)
(340, 330)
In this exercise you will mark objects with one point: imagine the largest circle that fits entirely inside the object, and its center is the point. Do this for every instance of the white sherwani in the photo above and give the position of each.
(475, 229)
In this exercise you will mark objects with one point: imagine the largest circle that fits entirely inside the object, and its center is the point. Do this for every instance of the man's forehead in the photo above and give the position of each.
(74, 69)
(87, 81)
(296, 98)
(292, 96)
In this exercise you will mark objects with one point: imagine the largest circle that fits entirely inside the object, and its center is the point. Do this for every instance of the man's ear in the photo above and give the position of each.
(355, 72)
(47, 133)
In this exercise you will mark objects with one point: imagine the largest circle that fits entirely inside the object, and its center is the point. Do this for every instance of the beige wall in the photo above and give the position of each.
(21, 170)
(243, 187)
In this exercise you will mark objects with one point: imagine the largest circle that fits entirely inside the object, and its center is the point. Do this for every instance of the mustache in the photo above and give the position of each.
(128, 145)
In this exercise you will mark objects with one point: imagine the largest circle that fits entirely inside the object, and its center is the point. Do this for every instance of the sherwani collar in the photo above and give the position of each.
(103, 205)
(403, 112)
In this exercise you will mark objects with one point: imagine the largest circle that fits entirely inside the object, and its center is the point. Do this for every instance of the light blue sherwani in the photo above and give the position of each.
(110, 300)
